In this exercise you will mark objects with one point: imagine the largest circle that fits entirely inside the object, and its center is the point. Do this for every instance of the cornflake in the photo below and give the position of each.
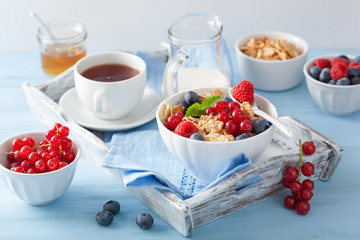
(270, 49)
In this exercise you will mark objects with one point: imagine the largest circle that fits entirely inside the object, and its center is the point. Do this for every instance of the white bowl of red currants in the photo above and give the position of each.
(334, 83)
(38, 167)
(204, 156)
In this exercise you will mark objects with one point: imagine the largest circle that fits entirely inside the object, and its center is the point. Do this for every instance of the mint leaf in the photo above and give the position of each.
(194, 110)
(197, 110)
(210, 101)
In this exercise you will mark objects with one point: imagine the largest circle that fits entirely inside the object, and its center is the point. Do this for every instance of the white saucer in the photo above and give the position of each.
(142, 113)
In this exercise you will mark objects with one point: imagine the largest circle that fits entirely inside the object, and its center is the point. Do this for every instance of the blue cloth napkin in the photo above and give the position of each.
(143, 159)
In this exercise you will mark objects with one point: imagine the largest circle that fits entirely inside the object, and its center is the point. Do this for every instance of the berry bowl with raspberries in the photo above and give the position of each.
(205, 130)
(334, 83)
(38, 167)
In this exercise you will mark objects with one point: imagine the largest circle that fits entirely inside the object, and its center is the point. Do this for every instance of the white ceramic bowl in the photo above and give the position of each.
(272, 75)
(41, 188)
(334, 99)
(205, 160)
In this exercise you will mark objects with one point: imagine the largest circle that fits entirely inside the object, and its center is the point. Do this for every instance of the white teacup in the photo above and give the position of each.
(110, 100)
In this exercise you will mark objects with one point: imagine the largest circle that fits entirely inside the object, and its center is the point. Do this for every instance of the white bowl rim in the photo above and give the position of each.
(301, 40)
(252, 138)
(77, 157)
(330, 86)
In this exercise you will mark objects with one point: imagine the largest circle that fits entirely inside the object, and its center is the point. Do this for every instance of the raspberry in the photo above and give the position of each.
(322, 63)
(352, 64)
(244, 92)
(185, 129)
(337, 60)
(339, 70)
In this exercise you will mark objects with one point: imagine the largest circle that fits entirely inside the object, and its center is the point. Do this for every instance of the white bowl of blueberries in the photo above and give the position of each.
(334, 83)
(204, 159)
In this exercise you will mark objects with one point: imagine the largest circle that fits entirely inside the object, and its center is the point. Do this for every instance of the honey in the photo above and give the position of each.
(55, 61)
(63, 47)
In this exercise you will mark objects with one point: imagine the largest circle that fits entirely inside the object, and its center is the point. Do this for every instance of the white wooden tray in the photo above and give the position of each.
(214, 203)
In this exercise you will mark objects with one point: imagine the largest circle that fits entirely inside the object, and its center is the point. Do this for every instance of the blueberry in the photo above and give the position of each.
(227, 99)
(197, 136)
(315, 72)
(191, 98)
(242, 136)
(357, 59)
(332, 82)
(343, 81)
(183, 103)
(325, 75)
(353, 72)
(104, 218)
(355, 81)
(343, 57)
(112, 206)
(144, 220)
(261, 125)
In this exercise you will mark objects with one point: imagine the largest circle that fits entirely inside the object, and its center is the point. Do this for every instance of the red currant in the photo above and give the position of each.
(222, 106)
(56, 140)
(231, 126)
(56, 127)
(49, 134)
(17, 156)
(290, 202)
(286, 182)
(238, 115)
(246, 126)
(66, 143)
(43, 143)
(302, 207)
(52, 164)
(62, 164)
(295, 187)
(224, 117)
(308, 148)
(34, 157)
(10, 157)
(64, 131)
(45, 156)
(51, 148)
(17, 144)
(55, 154)
(233, 106)
(291, 173)
(31, 171)
(308, 184)
(307, 169)
(306, 194)
(18, 169)
(40, 166)
(25, 152)
(211, 110)
(68, 156)
(179, 115)
(25, 165)
(168, 127)
(173, 121)
(29, 141)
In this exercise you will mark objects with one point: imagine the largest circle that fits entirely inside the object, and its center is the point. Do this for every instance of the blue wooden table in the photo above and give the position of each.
(334, 214)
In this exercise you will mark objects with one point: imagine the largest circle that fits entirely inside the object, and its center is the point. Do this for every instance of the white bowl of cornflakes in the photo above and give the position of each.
(272, 61)
(205, 160)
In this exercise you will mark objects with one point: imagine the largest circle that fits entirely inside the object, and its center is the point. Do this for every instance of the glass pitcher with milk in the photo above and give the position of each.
(195, 60)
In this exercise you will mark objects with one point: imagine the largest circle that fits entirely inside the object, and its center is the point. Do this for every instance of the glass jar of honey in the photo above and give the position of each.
(64, 48)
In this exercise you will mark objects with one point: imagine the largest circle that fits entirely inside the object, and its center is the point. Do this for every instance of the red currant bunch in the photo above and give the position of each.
(301, 191)
(52, 153)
